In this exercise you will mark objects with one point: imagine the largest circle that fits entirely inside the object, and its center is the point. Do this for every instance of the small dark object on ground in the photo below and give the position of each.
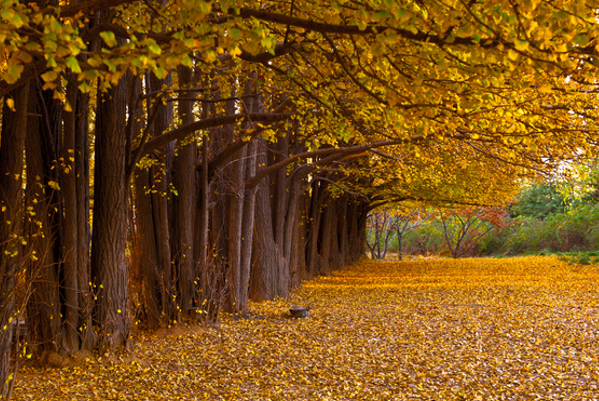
(300, 311)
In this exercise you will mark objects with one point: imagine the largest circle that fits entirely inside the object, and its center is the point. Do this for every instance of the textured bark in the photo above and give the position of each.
(186, 198)
(201, 235)
(263, 281)
(88, 337)
(236, 209)
(314, 230)
(71, 341)
(270, 276)
(298, 263)
(343, 232)
(326, 233)
(253, 103)
(160, 181)
(146, 260)
(247, 234)
(44, 308)
(12, 143)
(155, 215)
(108, 259)
(336, 256)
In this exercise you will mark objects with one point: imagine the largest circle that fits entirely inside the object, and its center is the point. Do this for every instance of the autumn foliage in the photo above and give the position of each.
(464, 227)
(466, 329)
(209, 153)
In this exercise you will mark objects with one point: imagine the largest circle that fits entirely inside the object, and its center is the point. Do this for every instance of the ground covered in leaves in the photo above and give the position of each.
(473, 329)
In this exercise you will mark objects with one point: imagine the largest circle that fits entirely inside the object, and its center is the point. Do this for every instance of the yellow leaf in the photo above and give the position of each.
(10, 103)
(513, 55)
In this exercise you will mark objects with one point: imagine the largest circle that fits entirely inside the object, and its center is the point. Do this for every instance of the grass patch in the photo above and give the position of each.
(580, 258)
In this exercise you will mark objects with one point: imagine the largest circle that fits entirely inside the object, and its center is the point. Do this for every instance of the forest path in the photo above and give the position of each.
(493, 329)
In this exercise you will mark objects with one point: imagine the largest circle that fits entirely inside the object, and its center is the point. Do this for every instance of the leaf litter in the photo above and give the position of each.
(468, 329)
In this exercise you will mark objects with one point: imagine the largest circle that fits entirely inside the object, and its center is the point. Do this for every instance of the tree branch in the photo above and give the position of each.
(181, 132)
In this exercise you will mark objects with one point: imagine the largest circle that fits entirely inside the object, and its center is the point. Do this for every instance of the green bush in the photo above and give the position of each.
(425, 240)
(576, 230)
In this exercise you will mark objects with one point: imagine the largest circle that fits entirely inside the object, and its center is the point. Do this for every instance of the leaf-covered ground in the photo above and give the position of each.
(476, 329)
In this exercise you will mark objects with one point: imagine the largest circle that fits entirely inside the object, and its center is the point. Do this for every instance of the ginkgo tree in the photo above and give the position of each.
(251, 134)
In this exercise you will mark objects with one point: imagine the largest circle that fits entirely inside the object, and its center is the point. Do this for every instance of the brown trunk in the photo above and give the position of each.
(203, 224)
(44, 309)
(215, 274)
(146, 260)
(336, 257)
(270, 277)
(343, 231)
(247, 234)
(71, 229)
(358, 214)
(161, 194)
(109, 238)
(313, 230)
(326, 232)
(88, 338)
(145, 270)
(298, 261)
(266, 254)
(236, 209)
(186, 201)
(12, 143)
(252, 103)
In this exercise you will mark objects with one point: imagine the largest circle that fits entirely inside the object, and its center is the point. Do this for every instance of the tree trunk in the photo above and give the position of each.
(343, 231)
(314, 230)
(186, 201)
(12, 143)
(235, 237)
(270, 276)
(201, 235)
(263, 284)
(247, 234)
(161, 194)
(145, 252)
(44, 308)
(73, 192)
(326, 233)
(109, 238)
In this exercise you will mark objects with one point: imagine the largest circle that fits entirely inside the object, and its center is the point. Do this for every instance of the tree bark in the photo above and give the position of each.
(247, 234)
(109, 238)
(326, 233)
(186, 200)
(146, 259)
(314, 230)
(44, 308)
(160, 180)
(72, 322)
(12, 144)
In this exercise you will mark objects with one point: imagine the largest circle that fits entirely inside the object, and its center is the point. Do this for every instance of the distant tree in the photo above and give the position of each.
(465, 227)
(384, 227)
(539, 201)
(380, 233)
(581, 182)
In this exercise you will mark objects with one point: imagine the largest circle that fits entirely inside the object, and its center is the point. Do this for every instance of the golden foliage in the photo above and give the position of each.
(471, 329)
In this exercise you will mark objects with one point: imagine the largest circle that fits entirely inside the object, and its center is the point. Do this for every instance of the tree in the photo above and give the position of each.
(380, 227)
(465, 227)
(539, 201)
(12, 145)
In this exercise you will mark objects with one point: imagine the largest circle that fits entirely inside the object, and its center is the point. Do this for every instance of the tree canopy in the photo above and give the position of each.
(507, 79)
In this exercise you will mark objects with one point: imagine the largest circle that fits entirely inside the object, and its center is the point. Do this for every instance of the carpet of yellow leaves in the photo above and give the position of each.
(472, 329)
